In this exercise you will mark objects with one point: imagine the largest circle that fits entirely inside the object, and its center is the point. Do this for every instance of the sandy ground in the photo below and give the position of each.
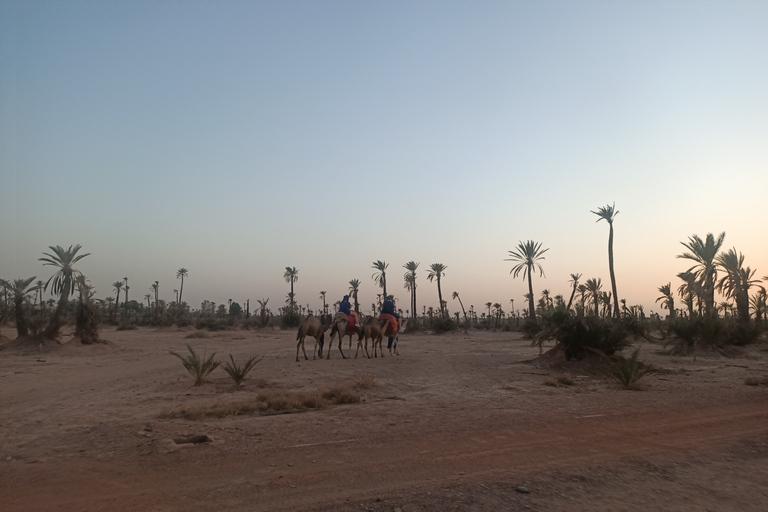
(456, 422)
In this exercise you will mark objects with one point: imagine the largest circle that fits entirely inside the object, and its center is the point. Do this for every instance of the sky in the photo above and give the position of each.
(236, 138)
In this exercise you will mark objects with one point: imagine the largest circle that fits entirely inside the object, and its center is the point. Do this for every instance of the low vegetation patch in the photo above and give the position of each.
(237, 372)
(756, 381)
(268, 402)
(342, 395)
(627, 371)
(363, 381)
(198, 367)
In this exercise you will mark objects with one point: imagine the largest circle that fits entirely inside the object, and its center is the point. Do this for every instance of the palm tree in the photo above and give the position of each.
(759, 303)
(181, 274)
(527, 255)
(455, 296)
(263, 310)
(594, 287)
(488, 305)
(583, 293)
(410, 283)
(380, 277)
(62, 282)
(608, 213)
(148, 296)
(668, 300)
(737, 281)
(437, 270)
(118, 285)
(325, 306)
(126, 292)
(575, 280)
(704, 254)
(291, 275)
(354, 287)
(156, 287)
(19, 289)
(39, 286)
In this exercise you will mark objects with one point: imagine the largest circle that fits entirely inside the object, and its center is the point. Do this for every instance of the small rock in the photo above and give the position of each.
(523, 490)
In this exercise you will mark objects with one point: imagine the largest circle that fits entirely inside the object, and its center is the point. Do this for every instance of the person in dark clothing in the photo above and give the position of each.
(388, 308)
(344, 306)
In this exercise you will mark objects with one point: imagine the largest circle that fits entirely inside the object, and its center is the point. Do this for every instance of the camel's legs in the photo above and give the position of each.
(301, 344)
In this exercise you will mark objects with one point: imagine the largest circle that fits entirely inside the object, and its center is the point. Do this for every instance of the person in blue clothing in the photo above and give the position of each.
(344, 306)
(389, 308)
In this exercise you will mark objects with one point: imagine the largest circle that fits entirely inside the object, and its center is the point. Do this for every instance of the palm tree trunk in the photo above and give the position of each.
(60, 315)
(440, 297)
(610, 266)
(570, 301)
(462, 308)
(22, 327)
(181, 289)
(531, 304)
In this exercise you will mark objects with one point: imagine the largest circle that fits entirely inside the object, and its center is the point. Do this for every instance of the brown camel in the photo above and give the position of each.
(389, 331)
(370, 329)
(340, 326)
(315, 327)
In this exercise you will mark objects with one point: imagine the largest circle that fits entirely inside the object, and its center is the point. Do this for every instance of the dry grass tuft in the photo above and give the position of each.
(341, 395)
(364, 381)
(756, 381)
(561, 380)
(268, 402)
(197, 334)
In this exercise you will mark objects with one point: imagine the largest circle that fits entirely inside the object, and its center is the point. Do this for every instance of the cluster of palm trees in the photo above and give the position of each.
(713, 271)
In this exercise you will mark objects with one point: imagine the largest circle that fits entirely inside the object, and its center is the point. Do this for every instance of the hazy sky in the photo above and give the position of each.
(238, 138)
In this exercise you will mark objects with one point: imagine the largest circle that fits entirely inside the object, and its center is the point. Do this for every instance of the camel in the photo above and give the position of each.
(389, 330)
(340, 326)
(315, 327)
(370, 329)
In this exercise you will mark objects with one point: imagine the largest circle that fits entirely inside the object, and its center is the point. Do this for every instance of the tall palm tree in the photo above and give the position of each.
(488, 305)
(291, 275)
(156, 287)
(325, 306)
(667, 299)
(594, 287)
(575, 280)
(437, 271)
(527, 255)
(19, 288)
(737, 281)
(608, 213)
(410, 282)
(147, 297)
(62, 282)
(455, 296)
(704, 252)
(181, 274)
(118, 285)
(380, 277)
(354, 287)
(126, 292)
(583, 293)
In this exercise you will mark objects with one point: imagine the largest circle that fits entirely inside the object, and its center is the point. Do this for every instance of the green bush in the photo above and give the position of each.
(626, 371)
(238, 373)
(198, 367)
(710, 332)
(441, 325)
(579, 334)
(211, 323)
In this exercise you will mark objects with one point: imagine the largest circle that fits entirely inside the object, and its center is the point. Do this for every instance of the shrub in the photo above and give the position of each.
(441, 325)
(626, 371)
(199, 368)
(211, 323)
(711, 332)
(126, 326)
(579, 334)
(363, 381)
(289, 318)
(238, 373)
(341, 395)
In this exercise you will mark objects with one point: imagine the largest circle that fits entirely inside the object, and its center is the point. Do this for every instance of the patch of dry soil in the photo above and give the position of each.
(456, 422)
